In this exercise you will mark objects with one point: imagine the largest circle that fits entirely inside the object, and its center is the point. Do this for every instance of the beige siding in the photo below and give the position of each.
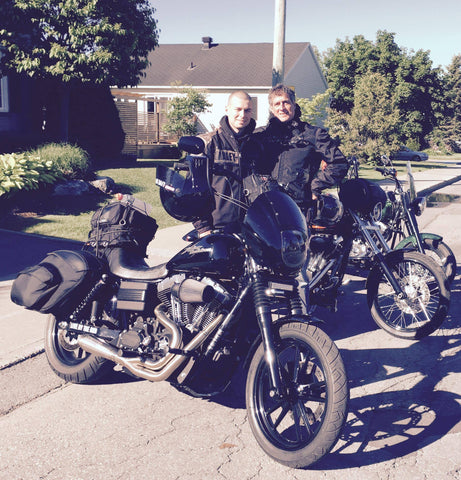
(306, 76)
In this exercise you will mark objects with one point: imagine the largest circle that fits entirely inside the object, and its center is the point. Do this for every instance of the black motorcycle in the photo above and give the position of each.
(224, 301)
(399, 223)
(407, 292)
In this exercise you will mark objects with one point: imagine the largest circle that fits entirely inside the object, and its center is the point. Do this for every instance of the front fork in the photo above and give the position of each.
(366, 227)
(264, 318)
(413, 229)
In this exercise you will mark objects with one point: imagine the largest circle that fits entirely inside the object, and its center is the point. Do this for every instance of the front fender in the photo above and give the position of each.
(410, 242)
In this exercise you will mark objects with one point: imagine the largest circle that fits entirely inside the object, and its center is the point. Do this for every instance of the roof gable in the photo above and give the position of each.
(228, 64)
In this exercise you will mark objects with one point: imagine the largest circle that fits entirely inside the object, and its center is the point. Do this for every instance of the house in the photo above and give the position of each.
(20, 113)
(217, 70)
(30, 115)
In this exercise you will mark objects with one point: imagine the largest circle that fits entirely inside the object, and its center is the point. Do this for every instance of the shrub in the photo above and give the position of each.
(71, 161)
(183, 110)
(25, 171)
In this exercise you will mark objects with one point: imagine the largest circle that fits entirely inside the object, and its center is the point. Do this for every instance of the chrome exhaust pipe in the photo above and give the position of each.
(146, 368)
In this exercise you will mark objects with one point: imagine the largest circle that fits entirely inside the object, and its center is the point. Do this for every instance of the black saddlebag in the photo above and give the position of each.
(119, 224)
(58, 283)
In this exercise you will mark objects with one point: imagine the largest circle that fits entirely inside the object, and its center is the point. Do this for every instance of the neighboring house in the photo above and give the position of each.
(20, 113)
(217, 70)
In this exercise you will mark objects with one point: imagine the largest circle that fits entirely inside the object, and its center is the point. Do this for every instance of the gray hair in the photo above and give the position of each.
(280, 89)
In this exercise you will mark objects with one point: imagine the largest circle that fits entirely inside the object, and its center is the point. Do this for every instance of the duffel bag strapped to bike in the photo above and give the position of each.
(58, 283)
(121, 224)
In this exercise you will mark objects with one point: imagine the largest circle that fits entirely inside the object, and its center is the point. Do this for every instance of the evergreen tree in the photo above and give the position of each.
(415, 86)
(371, 129)
(447, 135)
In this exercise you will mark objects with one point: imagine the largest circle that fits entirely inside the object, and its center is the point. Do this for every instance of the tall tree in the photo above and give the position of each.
(77, 41)
(447, 135)
(371, 129)
(415, 85)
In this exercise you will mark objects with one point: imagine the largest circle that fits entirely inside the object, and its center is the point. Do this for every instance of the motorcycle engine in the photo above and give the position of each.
(321, 249)
(194, 316)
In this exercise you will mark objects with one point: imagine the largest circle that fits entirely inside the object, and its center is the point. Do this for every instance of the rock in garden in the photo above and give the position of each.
(72, 187)
(105, 184)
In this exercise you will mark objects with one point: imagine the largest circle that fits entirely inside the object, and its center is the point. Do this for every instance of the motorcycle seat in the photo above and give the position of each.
(130, 265)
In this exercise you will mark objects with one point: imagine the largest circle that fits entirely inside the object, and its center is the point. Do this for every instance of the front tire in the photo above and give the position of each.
(303, 425)
(68, 360)
(427, 296)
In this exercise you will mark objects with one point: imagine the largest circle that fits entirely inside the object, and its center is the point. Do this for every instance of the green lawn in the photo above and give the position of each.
(70, 217)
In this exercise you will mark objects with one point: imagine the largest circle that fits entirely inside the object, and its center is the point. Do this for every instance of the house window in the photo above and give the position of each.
(4, 94)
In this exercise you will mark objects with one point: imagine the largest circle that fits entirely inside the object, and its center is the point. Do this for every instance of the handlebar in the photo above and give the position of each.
(180, 167)
(387, 172)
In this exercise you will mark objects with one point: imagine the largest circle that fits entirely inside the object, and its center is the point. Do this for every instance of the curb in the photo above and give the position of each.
(427, 191)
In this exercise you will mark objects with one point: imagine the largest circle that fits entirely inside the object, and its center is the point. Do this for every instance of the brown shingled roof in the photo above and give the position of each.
(228, 64)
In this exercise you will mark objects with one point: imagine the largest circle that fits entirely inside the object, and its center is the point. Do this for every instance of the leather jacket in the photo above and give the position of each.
(224, 148)
(293, 151)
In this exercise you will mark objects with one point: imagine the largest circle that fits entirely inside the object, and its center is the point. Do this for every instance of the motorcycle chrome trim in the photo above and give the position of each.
(214, 341)
(378, 254)
(146, 368)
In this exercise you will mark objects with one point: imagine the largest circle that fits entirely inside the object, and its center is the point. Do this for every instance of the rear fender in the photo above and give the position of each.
(410, 242)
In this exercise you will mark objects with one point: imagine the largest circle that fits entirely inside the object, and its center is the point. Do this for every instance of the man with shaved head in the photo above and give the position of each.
(227, 147)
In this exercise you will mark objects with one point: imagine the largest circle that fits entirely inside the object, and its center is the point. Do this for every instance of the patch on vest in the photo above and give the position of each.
(227, 156)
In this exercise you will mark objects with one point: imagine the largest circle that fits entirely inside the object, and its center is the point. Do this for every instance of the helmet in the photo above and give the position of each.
(186, 198)
(329, 211)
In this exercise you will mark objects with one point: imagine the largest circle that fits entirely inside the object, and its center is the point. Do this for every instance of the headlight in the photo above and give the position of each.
(419, 204)
(293, 248)
(377, 212)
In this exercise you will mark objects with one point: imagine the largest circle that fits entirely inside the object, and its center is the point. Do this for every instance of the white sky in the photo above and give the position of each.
(417, 24)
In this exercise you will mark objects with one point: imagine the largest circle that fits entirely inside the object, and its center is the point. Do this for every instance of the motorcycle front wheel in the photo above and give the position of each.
(304, 423)
(68, 360)
(424, 305)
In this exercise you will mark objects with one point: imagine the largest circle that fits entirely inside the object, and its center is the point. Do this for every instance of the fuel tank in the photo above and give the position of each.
(216, 254)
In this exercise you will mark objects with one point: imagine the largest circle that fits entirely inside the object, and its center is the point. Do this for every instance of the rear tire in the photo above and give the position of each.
(68, 360)
(428, 297)
(443, 255)
(302, 426)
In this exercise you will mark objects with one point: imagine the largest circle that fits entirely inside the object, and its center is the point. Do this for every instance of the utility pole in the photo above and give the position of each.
(278, 62)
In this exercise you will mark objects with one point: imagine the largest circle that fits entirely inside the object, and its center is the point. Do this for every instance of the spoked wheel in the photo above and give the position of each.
(423, 307)
(67, 359)
(303, 424)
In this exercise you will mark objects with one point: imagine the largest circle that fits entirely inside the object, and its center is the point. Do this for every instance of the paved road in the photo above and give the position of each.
(404, 419)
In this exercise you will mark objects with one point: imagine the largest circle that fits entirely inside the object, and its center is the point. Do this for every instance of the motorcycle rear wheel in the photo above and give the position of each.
(304, 425)
(68, 360)
(443, 256)
(427, 296)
